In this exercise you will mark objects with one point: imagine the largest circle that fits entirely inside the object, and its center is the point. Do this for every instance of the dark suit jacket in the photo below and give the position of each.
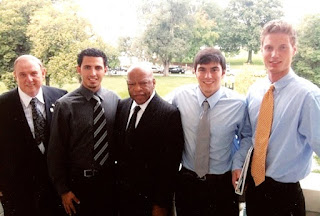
(148, 163)
(23, 169)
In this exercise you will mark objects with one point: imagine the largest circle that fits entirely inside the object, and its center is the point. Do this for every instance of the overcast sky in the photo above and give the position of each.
(114, 18)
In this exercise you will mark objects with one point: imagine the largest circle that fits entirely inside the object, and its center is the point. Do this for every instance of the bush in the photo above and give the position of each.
(8, 80)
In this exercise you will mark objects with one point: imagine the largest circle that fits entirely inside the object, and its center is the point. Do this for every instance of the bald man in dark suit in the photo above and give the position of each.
(24, 182)
(148, 147)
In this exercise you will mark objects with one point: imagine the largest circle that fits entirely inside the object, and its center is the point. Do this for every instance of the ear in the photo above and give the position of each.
(105, 69)
(14, 75)
(294, 50)
(79, 70)
(44, 72)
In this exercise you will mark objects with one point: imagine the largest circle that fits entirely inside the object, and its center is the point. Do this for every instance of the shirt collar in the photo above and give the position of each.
(212, 100)
(26, 98)
(145, 104)
(87, 93)
(284, 81)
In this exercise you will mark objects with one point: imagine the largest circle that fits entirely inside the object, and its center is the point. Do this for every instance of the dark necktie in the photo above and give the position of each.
(132, 122)
(203, 143)
(38, 121)
(100, 132)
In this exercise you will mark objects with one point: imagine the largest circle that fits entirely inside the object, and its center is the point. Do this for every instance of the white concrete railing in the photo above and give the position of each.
(311, 190)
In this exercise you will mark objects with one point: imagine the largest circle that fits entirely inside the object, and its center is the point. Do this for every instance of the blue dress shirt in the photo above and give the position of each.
(226, 113)
(295, 132)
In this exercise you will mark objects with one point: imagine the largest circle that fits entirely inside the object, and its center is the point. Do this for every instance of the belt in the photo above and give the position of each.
(90, 173)
(185, 171)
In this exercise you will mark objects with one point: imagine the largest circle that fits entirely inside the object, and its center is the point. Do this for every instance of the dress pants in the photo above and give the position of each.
(210, 195)
(37, 200)
(272, 198)
(96, 195)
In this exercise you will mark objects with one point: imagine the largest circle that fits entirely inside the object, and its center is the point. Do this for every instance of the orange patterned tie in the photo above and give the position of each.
(258, 169)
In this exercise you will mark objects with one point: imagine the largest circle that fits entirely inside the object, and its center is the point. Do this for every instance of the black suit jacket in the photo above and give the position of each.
(23, 169)
(148, 163)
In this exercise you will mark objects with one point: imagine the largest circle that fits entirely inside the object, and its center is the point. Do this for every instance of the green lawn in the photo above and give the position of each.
(118, 84)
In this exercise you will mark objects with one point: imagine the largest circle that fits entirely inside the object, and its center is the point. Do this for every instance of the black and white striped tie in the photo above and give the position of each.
(100, 132)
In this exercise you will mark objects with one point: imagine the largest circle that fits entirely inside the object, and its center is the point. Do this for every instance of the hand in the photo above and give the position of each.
(158, 211)
(67, 201)
(235, 177)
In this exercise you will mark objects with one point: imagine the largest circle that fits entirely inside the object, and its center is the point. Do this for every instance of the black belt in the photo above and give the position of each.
(90, 173)
(87, 173)
(185, 171)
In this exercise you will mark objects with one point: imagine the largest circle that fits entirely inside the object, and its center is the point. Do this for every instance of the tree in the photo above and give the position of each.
(57, 34)
(14, 19)
(204, 28)
(307, 60)
(167, 33)
(241, 23)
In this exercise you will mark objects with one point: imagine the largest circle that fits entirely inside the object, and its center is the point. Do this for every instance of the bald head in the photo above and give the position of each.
(27, 58)
(141, 83)
(29, 74)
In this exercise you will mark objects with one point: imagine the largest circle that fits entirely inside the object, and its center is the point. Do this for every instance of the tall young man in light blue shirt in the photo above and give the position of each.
(212, 194)
(295, 131)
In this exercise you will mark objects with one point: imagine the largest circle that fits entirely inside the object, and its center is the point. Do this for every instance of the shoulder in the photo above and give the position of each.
(233, 95)
(9, 94)
(162, 105)
(109, 94)
(9, 100)
(53, 90)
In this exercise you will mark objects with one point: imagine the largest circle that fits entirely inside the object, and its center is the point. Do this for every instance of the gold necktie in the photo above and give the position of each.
(258, 169)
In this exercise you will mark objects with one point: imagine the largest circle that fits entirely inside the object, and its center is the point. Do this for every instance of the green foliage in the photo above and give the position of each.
(307, 60)
(168, 31)
(8, 80)
(14, 19)
(244, 78)
(241, 23)
(204, 28)
(53, 31)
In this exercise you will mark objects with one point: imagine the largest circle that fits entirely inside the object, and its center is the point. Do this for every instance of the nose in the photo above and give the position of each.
(137, 87)
(208, 75)
(274, 53)
(29, 78)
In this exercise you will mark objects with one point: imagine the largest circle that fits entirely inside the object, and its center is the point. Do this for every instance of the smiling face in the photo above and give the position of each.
(92, 71)
(277, 51)
(29, 74)
(209, 77)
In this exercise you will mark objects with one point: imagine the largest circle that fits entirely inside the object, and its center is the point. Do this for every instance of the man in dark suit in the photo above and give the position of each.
(24, 182)
(148, 147)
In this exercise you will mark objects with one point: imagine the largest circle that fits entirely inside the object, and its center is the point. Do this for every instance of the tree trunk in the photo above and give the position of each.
(47, 80)
(166, 68)
(249, 61)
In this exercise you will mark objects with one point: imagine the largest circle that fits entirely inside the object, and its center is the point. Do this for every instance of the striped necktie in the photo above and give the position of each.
(263, 130)
(100, 132)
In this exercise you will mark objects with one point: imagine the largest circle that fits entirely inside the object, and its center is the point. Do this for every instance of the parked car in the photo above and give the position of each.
(156, 69)
(176, 69)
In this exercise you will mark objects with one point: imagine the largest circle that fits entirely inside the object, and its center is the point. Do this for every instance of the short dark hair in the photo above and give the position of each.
(208, 55)
(279, 26)
(93, 52)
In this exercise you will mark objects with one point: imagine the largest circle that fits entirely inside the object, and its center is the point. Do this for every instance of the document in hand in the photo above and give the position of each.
(242, 179)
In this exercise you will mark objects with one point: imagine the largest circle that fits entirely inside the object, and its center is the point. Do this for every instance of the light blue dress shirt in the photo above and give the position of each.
(226, 113)
(295, 132)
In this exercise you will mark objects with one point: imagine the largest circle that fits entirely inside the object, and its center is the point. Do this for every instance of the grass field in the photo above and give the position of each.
(118, 84)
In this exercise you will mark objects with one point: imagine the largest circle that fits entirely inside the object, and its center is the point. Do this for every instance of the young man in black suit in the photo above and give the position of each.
(24, 182)
(148, 146)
